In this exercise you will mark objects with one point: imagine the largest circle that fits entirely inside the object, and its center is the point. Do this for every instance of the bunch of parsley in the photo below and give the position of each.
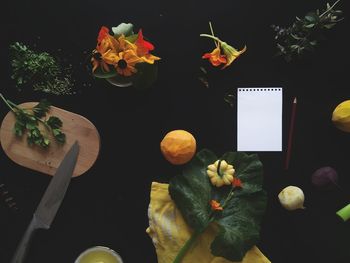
(39, 70)
(31, 120)
(305, 33)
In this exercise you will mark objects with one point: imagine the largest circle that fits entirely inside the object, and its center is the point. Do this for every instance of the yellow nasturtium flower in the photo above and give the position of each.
(124, 44)
(120, 53)
(149, 58)
(231, 53)
(125, 62)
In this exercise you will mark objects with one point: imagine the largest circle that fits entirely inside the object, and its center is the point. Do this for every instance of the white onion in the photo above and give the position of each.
(292, 198)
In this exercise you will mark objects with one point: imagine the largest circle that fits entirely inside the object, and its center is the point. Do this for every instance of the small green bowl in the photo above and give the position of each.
(99, 254)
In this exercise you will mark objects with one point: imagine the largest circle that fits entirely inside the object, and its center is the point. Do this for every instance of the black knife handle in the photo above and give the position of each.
(23, 245)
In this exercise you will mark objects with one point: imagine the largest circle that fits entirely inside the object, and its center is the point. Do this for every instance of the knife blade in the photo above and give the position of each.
(50, 202)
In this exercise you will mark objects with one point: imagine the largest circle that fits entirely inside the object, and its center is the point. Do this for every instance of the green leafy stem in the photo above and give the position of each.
(29, 120)
(305, 33)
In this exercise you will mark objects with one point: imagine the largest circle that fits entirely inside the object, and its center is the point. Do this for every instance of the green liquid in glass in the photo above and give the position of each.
(99, 256)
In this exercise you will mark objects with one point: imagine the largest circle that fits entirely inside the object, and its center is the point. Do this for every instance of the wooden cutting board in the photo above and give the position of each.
(76, 127)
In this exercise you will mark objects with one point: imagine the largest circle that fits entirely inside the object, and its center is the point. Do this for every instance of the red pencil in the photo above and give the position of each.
(290, 137)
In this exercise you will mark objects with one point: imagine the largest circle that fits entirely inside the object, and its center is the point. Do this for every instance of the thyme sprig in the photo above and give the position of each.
(306, 33)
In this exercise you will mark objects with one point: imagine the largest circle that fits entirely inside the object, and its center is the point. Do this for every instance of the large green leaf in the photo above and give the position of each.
(239, 222)
(248, 169)
(239, 226)
(192, 193)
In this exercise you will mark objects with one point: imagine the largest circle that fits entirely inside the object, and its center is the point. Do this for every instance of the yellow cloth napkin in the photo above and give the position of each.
(169, 232)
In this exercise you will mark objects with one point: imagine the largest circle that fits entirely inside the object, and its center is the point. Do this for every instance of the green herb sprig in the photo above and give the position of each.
(39, 70)
(305, 33)
(32, 120)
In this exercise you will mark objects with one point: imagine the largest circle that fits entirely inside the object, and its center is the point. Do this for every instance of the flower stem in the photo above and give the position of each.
(187, 246)
(14, 105)
(228, 198)
(329, 9)
(212, 33)
(212, 37)
(7, 102)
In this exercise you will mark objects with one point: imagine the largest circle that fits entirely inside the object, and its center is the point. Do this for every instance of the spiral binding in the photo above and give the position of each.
(259, 89)
(9, 200)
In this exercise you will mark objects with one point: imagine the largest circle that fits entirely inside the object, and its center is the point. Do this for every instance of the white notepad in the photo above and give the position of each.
(259, 119)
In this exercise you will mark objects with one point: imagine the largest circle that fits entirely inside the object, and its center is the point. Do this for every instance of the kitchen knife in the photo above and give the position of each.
(50, 202)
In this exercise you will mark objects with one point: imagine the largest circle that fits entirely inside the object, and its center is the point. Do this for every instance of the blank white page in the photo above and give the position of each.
(259, 119)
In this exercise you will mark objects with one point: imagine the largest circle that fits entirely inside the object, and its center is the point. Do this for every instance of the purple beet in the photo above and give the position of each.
(325, 177)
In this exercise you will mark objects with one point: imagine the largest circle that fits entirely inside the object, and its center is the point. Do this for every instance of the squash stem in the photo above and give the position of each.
(187, 246)
(218, 169)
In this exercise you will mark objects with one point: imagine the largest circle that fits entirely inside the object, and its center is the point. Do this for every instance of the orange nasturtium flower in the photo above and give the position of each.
(223, 53)
(237, 183)
(215, 205)
(120, 53)
(104, 31)
(143, 46)
(143, 49)
(106, 47)
(149, 58)
(231, 53)
(215, 57)
(125, 62)
(98, 62)
(122, 44)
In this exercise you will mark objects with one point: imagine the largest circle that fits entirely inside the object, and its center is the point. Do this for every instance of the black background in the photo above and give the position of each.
(108, 205)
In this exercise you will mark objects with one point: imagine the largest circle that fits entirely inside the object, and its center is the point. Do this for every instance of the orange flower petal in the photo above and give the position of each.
(237, 183)
(215, 205)
(215, 57)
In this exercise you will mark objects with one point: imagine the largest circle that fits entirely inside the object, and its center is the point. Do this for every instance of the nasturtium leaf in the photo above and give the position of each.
(239, 222)
(123, 29)
(248, 169)
(132, 38)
